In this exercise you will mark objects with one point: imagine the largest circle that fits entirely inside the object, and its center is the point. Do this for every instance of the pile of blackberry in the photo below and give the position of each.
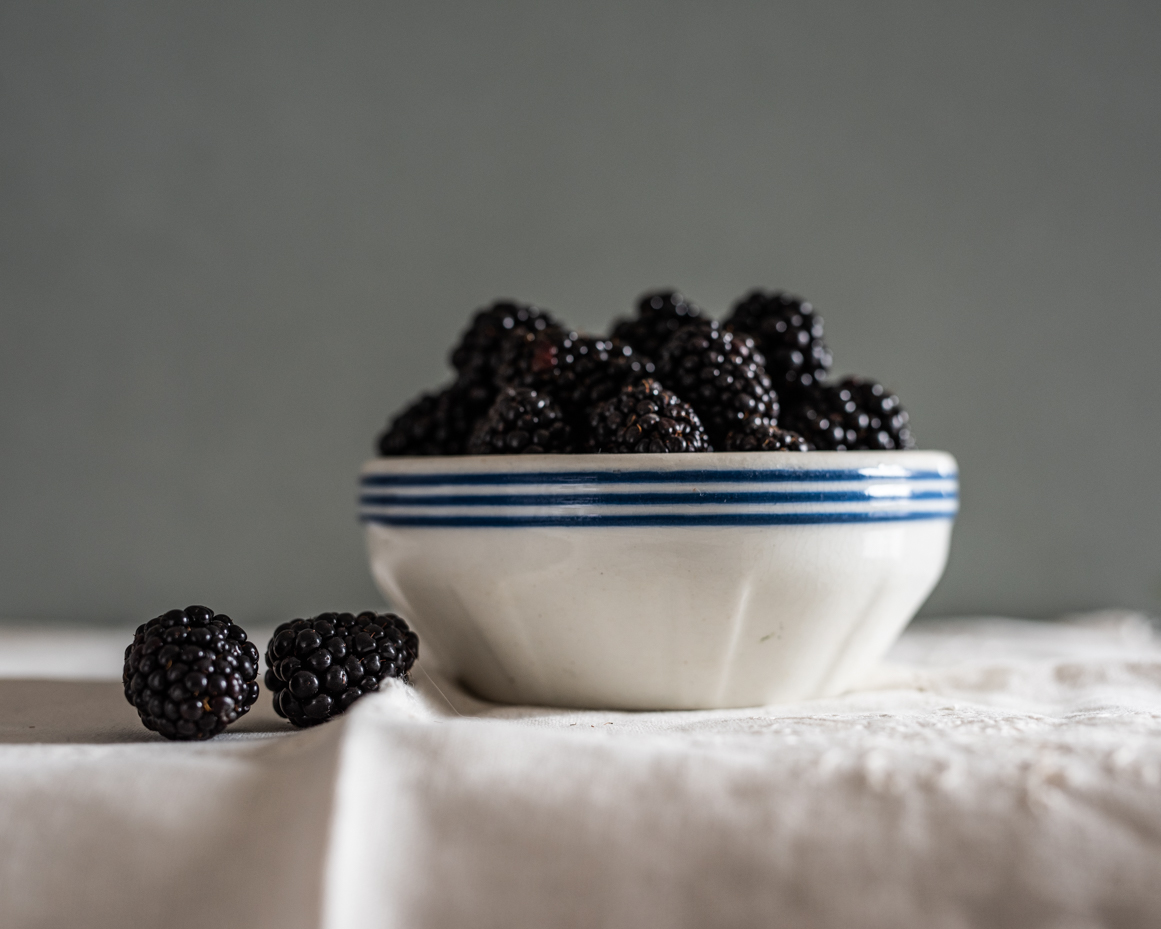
(316, 668)
(190, 673)
(667, 380)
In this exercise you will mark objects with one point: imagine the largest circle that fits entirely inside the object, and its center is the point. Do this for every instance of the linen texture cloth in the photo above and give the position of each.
(991, 773)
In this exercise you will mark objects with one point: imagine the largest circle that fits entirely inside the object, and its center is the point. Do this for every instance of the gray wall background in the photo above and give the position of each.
(235, 237)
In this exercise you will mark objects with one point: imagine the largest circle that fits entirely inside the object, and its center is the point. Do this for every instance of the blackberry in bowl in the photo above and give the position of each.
(660, 314)
(521, 421)
(854, 414)
(789, 333)
(721, 374)
(438, 423)
(758, 434)
(646, 417)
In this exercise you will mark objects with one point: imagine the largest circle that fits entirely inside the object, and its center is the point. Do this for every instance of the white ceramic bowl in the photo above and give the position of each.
(659, 581)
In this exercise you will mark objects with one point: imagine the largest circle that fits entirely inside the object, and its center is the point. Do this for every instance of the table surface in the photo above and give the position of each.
(992, 772)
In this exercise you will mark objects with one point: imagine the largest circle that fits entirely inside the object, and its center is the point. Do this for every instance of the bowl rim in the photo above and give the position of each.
(885, 463)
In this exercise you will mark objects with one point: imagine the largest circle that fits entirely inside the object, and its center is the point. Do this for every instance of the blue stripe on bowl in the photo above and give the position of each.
(652, 519)
(903, 493)
(755, 497)
(767, 476)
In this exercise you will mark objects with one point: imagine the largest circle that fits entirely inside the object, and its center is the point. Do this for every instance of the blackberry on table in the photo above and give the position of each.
(437, 423)
(757, 434)
(660, 313)
(521, 421)
(721, 374)
(316, 668)
(789, 333)
(853, 414)
(190, 673)
(646, 417)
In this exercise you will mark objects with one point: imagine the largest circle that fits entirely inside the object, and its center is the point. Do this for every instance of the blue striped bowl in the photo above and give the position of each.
(659, 581)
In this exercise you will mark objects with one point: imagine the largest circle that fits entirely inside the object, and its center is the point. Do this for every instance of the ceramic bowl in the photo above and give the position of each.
(659, 581)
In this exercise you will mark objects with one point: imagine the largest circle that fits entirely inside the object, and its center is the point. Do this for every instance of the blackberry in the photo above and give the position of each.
(521, 421)
(646, 417)
(789, 333)
(721, 374)
(437, 423)
(852, 414)
(480, 351)
(579, 370)
(190, 673)
(316, 668)
(660, 313)
(442, 423)
(413, 431)
(760, 435)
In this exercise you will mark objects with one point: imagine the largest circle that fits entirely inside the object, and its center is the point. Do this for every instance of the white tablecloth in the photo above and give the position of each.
(995, 773)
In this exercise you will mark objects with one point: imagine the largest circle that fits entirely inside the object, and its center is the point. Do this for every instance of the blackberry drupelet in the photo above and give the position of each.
(660, 313)
(721, 374)
(480, 351)
(646, 417)
(757, 434)
(789, 333)
(521, 421)
(437, 423)
(316, 668)
(852, 414)
(190, 673)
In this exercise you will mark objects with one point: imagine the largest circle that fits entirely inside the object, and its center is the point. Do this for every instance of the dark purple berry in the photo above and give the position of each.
(337, 658)
(789, 333)
(521, 421)
(659, 314)
(576, 371)
(719, 373)
(760, 435)
(646, 418)
(197, 683)
(439, 423)
(852, 414)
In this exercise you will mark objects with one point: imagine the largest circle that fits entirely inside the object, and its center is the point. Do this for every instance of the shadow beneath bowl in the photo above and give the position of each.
(56, 711)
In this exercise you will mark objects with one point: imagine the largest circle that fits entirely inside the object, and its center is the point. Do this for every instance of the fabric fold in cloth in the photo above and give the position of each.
(991, 773)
